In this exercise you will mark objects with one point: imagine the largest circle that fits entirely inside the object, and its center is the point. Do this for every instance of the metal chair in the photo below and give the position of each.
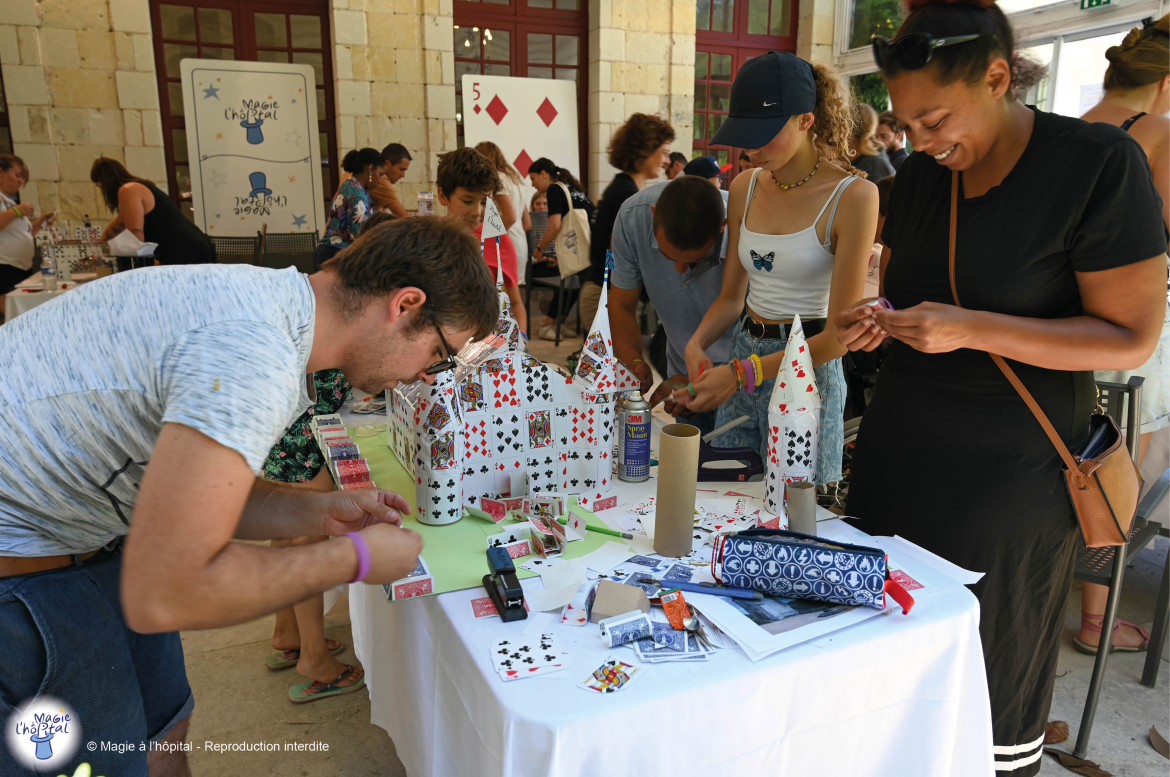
(561, 285)
(279, 250)
(1106, 566)
(237, 250)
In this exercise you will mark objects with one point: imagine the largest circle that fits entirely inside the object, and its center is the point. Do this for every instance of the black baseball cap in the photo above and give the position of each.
(704, 167)
(767, 91)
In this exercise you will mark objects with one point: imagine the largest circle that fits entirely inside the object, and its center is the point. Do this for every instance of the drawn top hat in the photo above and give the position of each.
(255, 134)
(259, 183)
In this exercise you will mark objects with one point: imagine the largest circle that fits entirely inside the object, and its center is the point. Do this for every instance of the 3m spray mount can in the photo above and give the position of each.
(633, 459)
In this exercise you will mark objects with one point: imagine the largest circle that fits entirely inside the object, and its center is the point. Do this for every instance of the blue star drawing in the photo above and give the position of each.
(217, 215)
(293, 137)
(211, 91)
(217, 179)
(294, 101)
(299, 221)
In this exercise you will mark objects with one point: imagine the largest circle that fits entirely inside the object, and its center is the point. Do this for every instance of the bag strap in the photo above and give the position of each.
(1078, 477)
(568, 197)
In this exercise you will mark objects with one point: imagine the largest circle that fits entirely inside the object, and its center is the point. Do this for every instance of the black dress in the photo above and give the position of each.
(179, 241)
(949, 456)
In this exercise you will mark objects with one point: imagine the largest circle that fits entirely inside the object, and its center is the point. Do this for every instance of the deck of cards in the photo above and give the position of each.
(419, 582)
(518, 657)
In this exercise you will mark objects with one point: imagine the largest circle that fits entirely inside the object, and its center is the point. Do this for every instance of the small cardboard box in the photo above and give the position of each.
(610, 599)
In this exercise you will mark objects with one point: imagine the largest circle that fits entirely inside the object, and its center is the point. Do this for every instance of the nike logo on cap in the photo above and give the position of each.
(768, 105)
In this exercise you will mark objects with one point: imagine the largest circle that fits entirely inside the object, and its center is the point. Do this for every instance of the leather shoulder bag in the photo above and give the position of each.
(1101, 479)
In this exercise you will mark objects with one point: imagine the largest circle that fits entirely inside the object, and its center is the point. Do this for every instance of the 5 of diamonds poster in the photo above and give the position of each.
(526, 117)
(253, 149)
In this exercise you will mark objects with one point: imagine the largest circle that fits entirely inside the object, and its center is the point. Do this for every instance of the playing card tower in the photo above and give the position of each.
(794, 413)
(510, 425)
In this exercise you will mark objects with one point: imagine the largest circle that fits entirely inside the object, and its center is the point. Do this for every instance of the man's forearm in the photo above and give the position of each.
(277, 511)
(244, 582)
(627, 337)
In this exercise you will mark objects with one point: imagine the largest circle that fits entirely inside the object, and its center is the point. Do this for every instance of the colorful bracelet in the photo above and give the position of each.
(737, 368)
(759, 365)
(749, 384)
(363, 554)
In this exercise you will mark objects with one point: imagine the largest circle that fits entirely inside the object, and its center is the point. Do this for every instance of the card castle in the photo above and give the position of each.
(508, 425)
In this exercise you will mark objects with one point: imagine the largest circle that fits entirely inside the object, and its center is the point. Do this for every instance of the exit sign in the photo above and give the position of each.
(1087, 4)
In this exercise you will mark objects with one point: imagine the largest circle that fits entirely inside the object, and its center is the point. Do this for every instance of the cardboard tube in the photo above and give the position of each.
(802, 507)
(678, 471)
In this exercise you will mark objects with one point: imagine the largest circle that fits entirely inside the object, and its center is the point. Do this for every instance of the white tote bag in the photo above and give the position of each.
(572, 241)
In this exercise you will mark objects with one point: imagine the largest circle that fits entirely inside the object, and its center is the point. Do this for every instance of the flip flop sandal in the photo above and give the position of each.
(283, 659)
(302, 693)
(1091, 650)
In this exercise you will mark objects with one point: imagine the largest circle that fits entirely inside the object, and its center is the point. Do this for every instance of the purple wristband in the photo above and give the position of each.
(749, 368)
(363, 552)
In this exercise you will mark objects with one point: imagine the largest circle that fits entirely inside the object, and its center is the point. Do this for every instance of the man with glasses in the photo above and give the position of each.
(130, 464)
(669, 239)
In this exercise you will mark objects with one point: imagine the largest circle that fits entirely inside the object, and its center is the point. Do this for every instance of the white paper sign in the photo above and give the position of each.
(252, 142)
(493, 222)
(528, 118)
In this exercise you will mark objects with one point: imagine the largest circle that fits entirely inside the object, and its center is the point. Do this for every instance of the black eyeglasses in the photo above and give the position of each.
(913, 50)
(445, 364)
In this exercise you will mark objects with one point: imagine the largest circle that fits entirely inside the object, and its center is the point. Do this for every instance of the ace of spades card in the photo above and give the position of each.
(526, 120)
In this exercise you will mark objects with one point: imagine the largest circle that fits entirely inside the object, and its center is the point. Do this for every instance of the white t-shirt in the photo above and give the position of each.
(16, 240)
(516, 231)
(93, 375)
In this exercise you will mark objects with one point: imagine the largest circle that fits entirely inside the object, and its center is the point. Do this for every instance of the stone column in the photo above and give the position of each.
(814, 30)
(395, 71)
(80, 82)
(641, 60)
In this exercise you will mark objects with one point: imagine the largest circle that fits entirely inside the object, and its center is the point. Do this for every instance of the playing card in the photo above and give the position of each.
(538, 386)
(471, 394)
(483, 607)
(542, 472)
(502, 472)
(477, 431)
(507, 435)
(517, 532)
(514, 658)
(595, 501)
(646, 561)
(612, 676)
(493, 507)
(526, 120)
(682, 572)
(539, 429)
(502, 388)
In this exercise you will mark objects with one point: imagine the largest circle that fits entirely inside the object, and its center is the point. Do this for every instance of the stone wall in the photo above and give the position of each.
(80, 83)
(641, 60)
(395, 69)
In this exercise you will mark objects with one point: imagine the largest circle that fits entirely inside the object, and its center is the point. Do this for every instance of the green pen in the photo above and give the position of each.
(600, 530)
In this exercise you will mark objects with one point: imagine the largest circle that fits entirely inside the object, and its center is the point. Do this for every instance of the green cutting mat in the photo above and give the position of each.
(457, 552)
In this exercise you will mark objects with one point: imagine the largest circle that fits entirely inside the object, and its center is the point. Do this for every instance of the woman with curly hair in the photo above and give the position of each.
(1137, 98)
(640, 149)
(802, 225)
(1059, 263)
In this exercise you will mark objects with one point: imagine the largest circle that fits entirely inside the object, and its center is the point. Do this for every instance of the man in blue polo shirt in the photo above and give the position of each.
(671, 240)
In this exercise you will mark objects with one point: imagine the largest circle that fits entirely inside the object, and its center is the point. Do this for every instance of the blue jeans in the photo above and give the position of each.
(753, 433)
(62, 634)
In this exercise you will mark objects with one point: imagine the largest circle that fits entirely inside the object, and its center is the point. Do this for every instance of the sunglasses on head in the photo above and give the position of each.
(913, 50)
(447, 363)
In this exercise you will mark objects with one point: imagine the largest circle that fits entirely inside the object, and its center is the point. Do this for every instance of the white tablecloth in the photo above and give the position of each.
(18, 301)
(896, 695)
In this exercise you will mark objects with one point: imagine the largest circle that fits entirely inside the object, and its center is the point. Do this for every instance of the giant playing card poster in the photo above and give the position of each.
(252, 147)
(528, 118)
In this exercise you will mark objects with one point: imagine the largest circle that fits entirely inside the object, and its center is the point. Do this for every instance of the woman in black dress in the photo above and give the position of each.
(150, 215)
(1060, 251)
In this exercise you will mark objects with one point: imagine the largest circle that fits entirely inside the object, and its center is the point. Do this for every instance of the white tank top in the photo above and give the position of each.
(789, 274)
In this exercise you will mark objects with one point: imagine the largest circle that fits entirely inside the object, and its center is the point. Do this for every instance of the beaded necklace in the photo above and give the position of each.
(787, 186)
